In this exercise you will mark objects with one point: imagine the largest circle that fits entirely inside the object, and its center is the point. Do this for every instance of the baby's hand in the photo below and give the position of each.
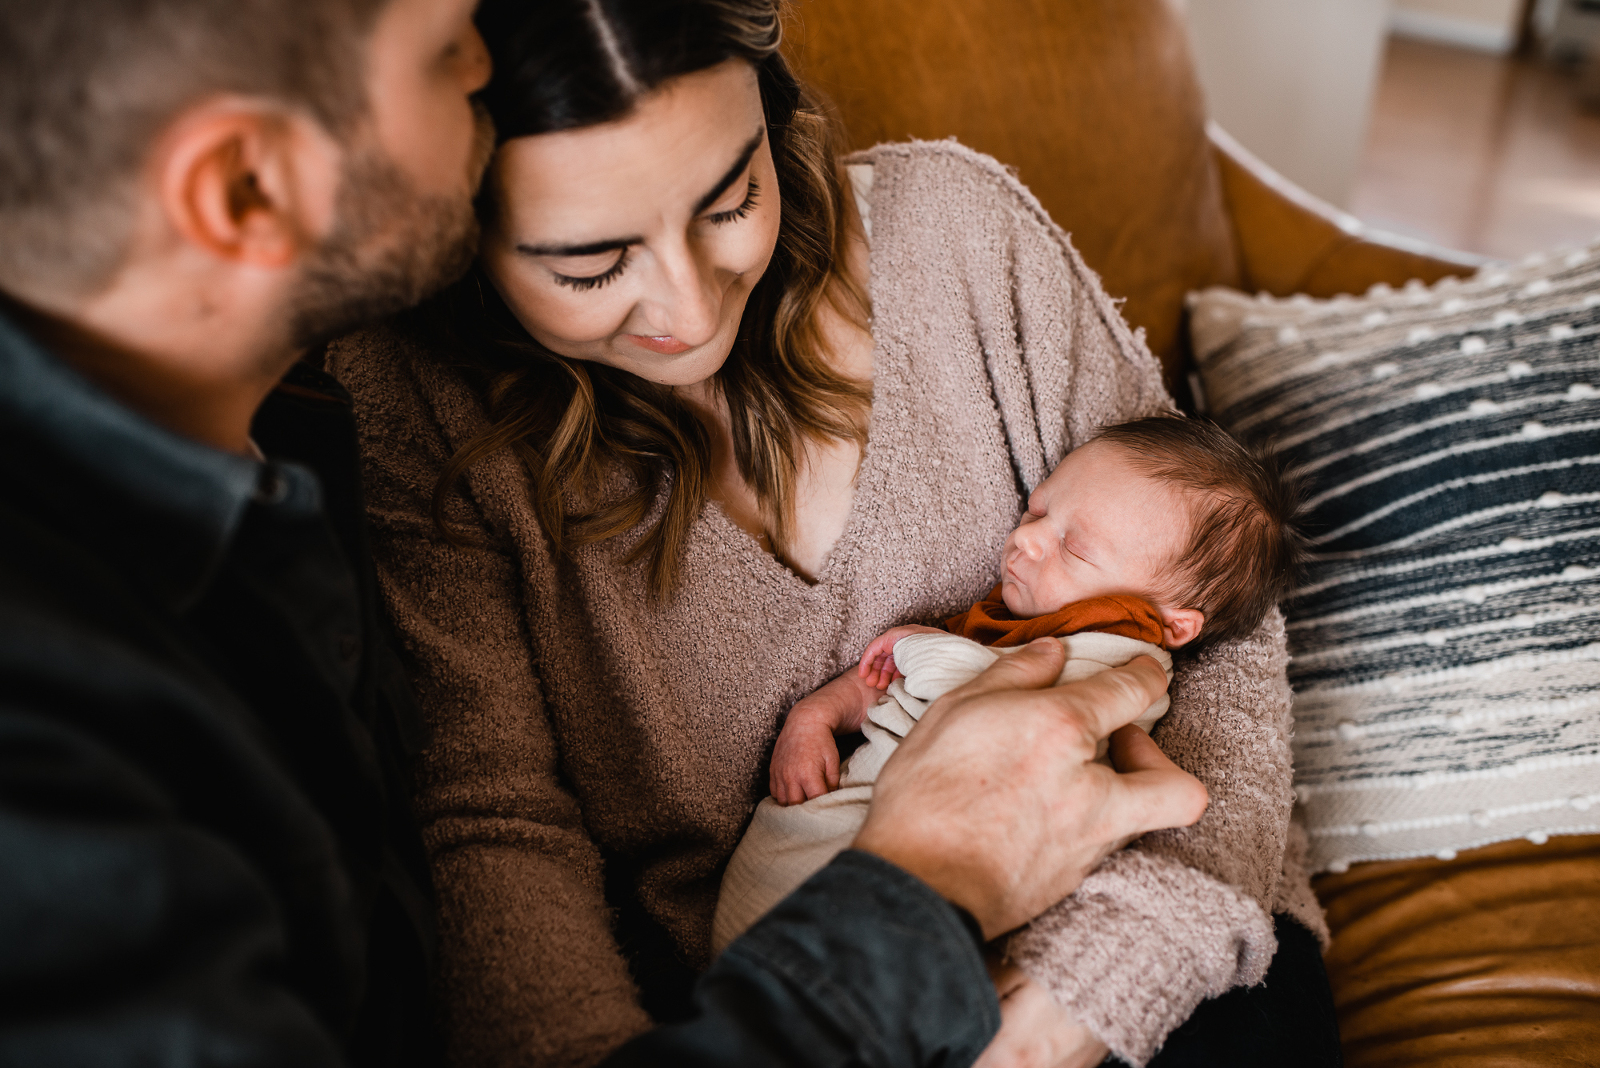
(805, 762)
(877, 663)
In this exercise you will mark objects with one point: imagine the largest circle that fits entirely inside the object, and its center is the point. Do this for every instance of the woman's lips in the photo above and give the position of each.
(666, 346)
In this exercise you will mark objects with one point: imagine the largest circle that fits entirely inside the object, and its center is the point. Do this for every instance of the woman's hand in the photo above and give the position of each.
(805, 762)
(877, 663)
(1035, 1032)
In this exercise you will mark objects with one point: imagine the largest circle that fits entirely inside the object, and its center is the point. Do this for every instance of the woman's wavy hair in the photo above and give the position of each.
(565, 64)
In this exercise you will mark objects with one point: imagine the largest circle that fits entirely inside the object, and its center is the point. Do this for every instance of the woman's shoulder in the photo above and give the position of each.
(400, 372)
(950, 179)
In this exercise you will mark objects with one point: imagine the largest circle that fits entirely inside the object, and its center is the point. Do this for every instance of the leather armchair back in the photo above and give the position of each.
(1095, 104)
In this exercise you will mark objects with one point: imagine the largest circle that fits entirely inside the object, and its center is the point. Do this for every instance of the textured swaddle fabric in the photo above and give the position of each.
(785, 845)
(1445, 646)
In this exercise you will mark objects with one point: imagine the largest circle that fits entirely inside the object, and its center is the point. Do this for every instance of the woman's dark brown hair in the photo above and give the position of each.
(564, 64)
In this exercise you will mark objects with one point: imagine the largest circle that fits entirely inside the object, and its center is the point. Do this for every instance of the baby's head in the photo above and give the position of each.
(1169, 509)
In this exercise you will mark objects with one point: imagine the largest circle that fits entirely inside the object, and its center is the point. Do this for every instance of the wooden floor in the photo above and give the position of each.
(1484, 154)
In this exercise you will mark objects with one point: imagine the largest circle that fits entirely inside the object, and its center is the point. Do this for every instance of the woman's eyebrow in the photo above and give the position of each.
(612, 244)
(745, 155)
(590, 249)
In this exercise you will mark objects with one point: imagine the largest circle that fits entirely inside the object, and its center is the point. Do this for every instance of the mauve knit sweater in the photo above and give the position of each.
(571, 716)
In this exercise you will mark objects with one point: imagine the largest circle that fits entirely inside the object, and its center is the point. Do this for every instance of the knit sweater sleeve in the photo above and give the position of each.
(530, 972)
(1184, 915)
(1181, 915)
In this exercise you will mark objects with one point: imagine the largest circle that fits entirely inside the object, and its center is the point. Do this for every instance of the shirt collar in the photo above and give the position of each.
(158, 504)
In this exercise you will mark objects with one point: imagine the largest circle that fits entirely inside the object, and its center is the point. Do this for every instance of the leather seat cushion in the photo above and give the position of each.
(1489, 959)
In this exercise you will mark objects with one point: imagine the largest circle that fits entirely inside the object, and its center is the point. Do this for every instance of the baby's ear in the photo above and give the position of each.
(1180, 626)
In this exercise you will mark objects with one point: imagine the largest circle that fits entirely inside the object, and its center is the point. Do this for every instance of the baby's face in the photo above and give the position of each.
(1096, 526)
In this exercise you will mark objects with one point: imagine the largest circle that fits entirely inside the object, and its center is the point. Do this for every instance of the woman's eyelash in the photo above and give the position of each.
(595, 281)
(742, 210)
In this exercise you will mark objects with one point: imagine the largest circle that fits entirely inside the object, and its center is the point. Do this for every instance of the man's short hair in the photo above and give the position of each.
(87, 85)
(1245, 546)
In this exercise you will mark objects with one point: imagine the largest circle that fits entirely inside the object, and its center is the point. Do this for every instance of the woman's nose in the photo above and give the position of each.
(688, 302)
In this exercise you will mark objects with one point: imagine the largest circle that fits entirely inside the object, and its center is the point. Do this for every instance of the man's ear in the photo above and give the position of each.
(246, 182)
(1180, 626)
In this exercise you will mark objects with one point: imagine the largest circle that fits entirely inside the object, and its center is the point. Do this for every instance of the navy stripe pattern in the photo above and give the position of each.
(1446, 643)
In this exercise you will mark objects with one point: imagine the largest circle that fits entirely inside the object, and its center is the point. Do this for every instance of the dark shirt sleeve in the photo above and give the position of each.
(863, 965)
(128, 934)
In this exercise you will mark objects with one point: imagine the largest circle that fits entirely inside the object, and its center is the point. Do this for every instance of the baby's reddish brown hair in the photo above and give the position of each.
(1245, 545)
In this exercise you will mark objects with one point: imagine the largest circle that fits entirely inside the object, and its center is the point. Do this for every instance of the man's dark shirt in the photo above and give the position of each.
(206, 842)
(207, 852)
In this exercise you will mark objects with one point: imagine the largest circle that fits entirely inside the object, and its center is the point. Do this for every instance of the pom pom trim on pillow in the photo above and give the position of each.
(1445, 647)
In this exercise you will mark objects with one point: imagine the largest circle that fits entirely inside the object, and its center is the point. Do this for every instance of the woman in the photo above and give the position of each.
(707, 417)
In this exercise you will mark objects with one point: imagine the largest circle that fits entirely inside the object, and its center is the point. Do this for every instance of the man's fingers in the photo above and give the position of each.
(1034, 666)
(1134, 750)
(1116, 697)
(1152, 792)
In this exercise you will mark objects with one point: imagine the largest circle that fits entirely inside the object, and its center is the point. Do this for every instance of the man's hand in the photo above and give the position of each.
(877, 663)
(995, 799)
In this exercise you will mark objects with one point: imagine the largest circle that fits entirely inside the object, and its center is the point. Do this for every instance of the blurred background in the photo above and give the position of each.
(1473, 124)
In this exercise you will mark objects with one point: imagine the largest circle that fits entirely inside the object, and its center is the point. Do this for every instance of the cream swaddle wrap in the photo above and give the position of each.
(785, 845)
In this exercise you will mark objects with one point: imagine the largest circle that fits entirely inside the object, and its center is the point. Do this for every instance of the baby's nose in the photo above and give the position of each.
(1028, 540)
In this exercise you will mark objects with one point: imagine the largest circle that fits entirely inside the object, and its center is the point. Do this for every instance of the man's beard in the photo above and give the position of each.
(390, 247)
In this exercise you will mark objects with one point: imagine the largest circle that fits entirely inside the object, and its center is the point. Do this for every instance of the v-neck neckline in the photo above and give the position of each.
(866, 481)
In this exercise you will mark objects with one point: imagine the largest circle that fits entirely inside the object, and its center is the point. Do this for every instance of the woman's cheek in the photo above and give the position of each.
(758, 237)
(581, 318)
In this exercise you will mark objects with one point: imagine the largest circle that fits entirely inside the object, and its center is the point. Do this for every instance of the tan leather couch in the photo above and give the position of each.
(1493, 958)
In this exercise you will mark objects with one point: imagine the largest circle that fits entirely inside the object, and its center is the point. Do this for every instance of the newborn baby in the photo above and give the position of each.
(1158, 534)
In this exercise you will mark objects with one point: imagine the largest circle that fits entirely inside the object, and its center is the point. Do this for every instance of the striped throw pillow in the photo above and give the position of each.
(1446, 642)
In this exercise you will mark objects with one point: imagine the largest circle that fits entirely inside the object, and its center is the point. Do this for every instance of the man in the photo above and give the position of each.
(206, 848)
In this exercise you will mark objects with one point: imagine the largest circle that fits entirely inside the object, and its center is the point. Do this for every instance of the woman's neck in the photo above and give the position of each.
(825, 479)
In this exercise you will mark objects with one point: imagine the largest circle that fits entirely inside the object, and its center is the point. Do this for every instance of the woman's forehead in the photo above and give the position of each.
(653, 165)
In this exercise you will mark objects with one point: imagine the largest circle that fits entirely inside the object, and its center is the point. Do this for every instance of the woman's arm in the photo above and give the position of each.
(529, 969)
(1184, 915)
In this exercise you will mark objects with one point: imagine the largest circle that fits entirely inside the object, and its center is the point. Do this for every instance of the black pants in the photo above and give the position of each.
(1285, 1021)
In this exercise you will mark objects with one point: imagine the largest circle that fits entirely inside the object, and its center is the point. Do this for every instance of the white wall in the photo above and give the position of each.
(1485, 25)
(1293, 81)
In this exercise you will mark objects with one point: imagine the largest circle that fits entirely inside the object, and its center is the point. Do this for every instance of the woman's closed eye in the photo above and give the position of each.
(595, 270)
(752, 191)
(604, 267)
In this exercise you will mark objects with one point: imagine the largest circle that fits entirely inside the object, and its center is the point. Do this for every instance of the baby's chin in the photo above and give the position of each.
(1018, 599)
(1021, 602)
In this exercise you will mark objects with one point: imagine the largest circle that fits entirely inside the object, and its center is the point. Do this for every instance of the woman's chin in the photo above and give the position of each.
(675, 370)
